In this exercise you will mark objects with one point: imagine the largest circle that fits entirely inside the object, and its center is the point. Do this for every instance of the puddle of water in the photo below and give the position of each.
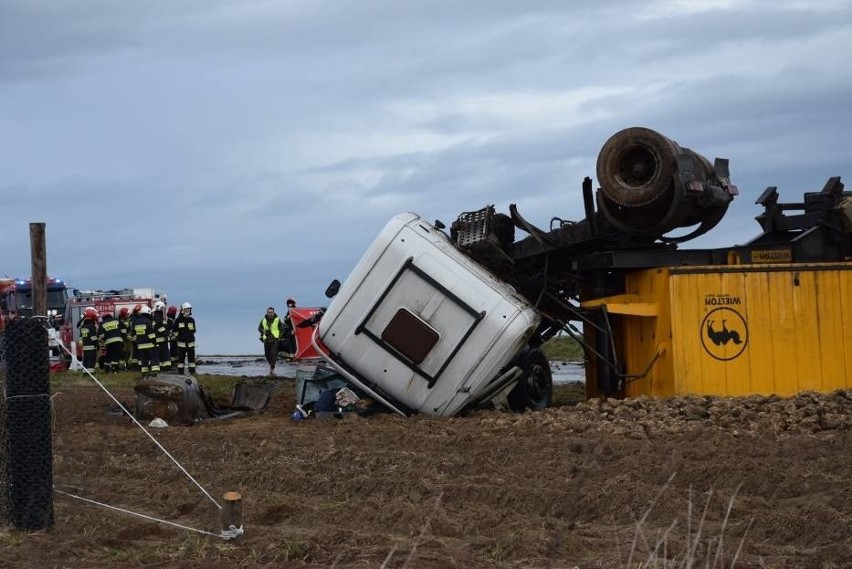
(256, 366)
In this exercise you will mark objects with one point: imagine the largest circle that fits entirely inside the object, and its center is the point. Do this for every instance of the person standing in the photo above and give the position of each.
(172, 331)
(89, 337)
(271, 330)
(185, 326)
(162, 339)
(127, 342)
(145, 340)
(133, 357)
(288, 337)
(111, 337)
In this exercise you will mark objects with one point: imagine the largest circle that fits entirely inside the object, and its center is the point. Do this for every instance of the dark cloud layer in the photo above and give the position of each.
(236, 153)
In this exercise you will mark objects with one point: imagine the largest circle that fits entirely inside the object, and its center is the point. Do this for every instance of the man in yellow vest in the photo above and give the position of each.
(270, 329)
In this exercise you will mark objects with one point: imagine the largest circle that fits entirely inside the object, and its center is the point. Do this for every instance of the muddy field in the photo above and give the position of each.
(764, 482)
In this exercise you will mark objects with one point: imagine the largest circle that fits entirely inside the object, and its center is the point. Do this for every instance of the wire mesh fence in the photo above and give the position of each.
(26, 459)
(4, 487)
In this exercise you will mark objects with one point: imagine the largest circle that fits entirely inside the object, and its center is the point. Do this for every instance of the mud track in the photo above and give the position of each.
(664, 483)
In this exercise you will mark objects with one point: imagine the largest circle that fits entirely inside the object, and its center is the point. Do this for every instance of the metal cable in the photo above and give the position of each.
(229, 533)
(144, 430)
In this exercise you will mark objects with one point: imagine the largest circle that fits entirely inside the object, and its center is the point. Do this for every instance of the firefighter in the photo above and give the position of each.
(127, 340)
(288, 338)
(185, 327)
(162, 341)
(132, 355)
(89, 337)
(145, 340)
(172, 331)
(111, 337)
(270, 329)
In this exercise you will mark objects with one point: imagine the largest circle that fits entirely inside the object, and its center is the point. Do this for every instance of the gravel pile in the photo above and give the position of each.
(807, 412)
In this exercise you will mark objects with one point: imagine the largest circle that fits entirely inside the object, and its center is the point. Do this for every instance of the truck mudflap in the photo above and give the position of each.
(495, 386)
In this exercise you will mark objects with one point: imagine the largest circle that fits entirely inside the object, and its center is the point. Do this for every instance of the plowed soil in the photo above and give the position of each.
(759, 482)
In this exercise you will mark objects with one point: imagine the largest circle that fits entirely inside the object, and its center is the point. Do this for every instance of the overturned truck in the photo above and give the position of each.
(440, 322)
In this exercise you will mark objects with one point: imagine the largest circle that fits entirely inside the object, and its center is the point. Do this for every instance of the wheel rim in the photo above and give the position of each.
(537, 382)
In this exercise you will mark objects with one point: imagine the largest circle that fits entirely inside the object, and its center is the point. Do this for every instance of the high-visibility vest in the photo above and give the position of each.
(144, 335)
(111, 332)
(275, 329)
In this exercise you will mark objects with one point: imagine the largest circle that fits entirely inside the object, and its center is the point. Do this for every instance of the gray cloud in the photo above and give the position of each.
(235, 153)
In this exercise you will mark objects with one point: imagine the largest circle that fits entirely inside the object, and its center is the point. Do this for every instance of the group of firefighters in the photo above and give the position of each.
(141, 339)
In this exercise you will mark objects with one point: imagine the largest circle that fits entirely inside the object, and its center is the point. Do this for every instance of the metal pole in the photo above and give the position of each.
(39, 269)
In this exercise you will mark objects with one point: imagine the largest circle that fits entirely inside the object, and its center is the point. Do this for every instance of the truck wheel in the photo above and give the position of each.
(535, 388)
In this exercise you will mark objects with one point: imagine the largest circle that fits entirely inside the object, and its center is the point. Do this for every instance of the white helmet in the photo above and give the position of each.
(186, 306)
(159, 305)
(145, 310)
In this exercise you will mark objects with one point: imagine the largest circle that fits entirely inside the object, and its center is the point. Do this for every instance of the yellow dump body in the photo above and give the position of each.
(732, 330)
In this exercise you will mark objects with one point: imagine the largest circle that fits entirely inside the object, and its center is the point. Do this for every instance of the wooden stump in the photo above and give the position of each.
(232, 510)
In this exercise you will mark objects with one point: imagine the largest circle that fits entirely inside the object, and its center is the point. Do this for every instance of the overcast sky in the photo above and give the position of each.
(235, 153)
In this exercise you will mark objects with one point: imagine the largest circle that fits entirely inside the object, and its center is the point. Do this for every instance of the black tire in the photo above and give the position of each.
(535, 388)
(635, 166)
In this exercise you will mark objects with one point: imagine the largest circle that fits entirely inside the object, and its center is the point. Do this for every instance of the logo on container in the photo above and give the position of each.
(724, 333)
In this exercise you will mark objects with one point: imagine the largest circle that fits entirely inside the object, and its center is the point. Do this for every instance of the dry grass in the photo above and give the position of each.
(697, 547)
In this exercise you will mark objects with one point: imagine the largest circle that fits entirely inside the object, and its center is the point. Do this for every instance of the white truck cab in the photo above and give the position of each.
(421, 327)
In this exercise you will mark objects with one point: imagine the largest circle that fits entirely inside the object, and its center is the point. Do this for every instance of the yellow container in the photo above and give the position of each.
(732, 330)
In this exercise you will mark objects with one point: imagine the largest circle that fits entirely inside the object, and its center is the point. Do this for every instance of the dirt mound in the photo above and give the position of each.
(805, 413)
(764, 480)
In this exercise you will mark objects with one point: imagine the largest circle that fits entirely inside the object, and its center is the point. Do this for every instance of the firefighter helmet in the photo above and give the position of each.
(291, 302)
(90, 314)
(137, 308)
(186, 306)
(145, 310)
(172, 310)
(123, 312)
(159, 305)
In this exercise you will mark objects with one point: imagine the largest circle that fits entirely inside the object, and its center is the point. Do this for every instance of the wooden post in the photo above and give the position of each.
(39, 269)
(232, 510)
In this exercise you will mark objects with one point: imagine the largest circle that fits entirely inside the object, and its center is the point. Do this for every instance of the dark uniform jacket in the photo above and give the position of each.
(160, 327)
(185, 328)
(111, 331)
(143, 331)
(89, 334)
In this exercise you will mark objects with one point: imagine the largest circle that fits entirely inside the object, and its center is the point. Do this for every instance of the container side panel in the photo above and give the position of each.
(844, 349)
(642, 336)
(780, 329)
(805, 346)
(739, 374)
(758, 314)
(834, 340)
(688, 372)
(782, 322)
(710, 341)
(661, 375)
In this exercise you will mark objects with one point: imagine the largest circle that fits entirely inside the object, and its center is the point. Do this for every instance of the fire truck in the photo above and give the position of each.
(105, 302)
(16, 301)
